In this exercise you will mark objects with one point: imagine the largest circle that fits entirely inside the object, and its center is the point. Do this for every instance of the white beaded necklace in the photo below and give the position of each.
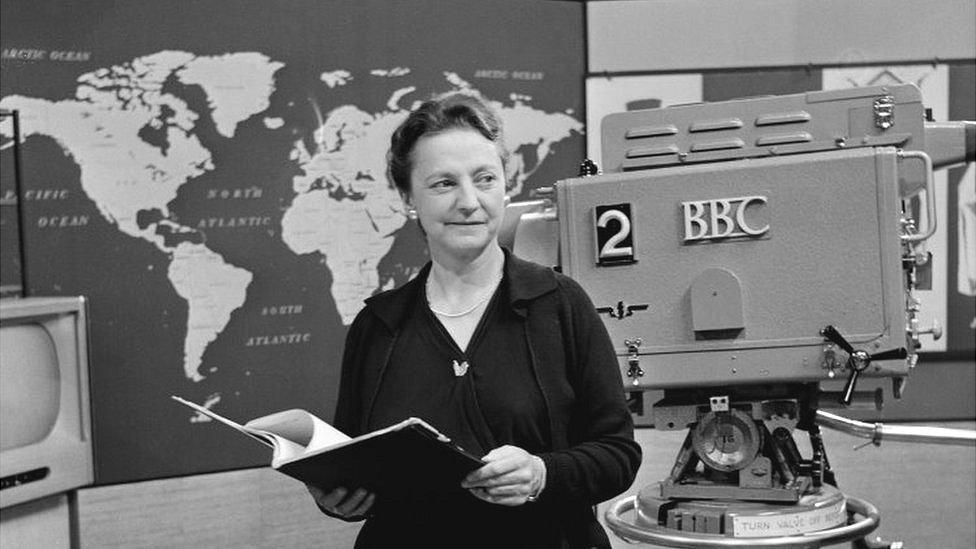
(490, 291)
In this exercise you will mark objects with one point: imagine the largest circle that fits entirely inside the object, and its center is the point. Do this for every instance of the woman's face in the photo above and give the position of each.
(457, 187)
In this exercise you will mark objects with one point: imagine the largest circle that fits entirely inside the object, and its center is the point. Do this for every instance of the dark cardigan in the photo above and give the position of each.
(592, 455)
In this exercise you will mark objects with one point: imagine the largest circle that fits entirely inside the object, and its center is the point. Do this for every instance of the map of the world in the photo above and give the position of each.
(224, 204)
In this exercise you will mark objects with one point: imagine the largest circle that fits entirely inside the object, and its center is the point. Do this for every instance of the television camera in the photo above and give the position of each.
(741, 253)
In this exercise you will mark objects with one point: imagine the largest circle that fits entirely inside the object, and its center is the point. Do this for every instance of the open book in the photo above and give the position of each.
(409, 454)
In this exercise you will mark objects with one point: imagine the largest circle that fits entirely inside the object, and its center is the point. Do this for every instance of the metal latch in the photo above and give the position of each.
(634, 370)
(719, 403)
(884, 112)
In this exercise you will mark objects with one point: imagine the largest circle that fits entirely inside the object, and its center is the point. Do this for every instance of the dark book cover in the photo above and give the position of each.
(404, 459)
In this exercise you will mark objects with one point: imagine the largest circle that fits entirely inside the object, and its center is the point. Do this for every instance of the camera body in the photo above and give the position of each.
(725, 273)
(743, 252)
(721, 239)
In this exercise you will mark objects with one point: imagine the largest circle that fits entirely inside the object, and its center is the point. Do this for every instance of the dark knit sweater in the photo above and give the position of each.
(591, 455)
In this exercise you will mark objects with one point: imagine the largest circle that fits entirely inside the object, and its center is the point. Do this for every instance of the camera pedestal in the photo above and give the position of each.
(739, 479)
(741, 446)
(703, 507)
(825, 517)
(741, 460)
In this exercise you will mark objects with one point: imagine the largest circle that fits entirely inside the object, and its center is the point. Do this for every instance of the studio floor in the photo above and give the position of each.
(925, 493)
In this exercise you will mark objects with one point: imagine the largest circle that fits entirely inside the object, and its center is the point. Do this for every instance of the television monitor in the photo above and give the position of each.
(45, 419)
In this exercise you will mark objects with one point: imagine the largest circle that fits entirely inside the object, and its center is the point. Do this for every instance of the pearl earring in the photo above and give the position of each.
(411, 213)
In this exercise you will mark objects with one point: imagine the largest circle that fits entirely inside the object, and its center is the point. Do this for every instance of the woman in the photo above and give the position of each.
(506, 357)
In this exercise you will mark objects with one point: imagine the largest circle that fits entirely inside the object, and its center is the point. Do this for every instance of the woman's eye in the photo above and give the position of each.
(442, 184)
(486, 179)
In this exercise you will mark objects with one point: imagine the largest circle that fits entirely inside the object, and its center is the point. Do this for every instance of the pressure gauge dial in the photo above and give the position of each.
(726, 441)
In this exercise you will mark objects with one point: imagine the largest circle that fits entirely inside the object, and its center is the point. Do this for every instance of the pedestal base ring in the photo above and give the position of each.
(660, 535)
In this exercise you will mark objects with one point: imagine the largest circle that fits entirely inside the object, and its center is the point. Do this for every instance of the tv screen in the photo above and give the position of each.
(45, 421)
(30, 385)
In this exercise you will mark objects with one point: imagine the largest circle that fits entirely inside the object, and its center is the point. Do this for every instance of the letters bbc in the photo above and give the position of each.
(722, 218)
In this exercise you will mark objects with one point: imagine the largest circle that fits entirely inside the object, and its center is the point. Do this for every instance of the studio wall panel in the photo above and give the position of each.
(681, 35)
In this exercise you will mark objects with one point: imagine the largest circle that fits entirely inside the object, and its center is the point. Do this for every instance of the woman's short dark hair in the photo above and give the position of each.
(456, 110)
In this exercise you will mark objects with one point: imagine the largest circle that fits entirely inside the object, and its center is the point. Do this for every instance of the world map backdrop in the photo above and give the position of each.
(211, 175)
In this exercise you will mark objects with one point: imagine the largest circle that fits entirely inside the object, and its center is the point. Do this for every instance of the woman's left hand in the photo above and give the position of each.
(511, 477)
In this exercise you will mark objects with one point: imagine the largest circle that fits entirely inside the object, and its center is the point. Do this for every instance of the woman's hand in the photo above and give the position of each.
(511, 477)
(341, 503)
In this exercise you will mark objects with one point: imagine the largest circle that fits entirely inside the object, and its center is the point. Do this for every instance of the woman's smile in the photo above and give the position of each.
(458, 190)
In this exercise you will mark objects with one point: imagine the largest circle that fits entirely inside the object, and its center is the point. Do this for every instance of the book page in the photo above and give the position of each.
(325, 435)
(279, 444)
(416, 420)
(308, 432)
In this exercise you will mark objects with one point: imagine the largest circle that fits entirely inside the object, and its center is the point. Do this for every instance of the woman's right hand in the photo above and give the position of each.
(343, 503)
